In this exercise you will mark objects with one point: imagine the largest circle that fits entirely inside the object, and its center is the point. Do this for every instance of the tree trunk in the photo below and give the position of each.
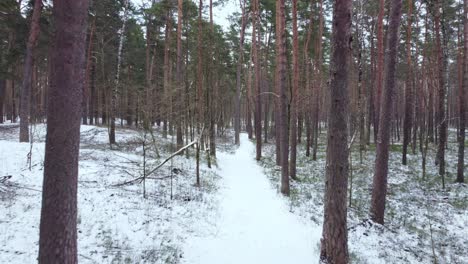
(441, 118)
(318, 84)
(258, 101)
(407, 125)
(115, 90)
(200, 65)
(57, 240)
(294, 95)
(380, 67)
(238, 75)
(179, 76)
(461, 97)
(283, 100)
(25, 98)
(379, 189)
(334, 243)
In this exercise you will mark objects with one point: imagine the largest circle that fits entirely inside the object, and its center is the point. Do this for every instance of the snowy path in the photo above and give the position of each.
(255, 225)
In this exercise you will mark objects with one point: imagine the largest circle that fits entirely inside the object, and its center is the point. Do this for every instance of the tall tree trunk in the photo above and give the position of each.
(115, 90)
(89, 62)
(200, 65)
(318, 83)
(408, 87)
(237, 126)
(308, 82)
(211, 95)
(57, 240)
(258, 101)
(25, 99)
(334, 243)
(379, 188)
(441, 118)
(166, 103)
(461, 97)
(283, 99)
(179, 76)
(294, 95)
(380, 67)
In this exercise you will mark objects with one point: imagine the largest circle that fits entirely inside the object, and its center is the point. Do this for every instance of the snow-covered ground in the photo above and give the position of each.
(237, 216)
(115, 223)
(423, 223)
(255, 224)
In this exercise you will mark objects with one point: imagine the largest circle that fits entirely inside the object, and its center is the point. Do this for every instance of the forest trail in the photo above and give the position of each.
(255, 225)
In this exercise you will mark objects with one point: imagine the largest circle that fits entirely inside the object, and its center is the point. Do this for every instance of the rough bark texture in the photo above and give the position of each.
(407, 125)
(380, 67)
(57, 242)
(462, 107)
(441, 118)
(179, 76)
(317, 83)
(334, 243)
(115, 90)
(294, 95)
(283, 100)
(200, 65)
(379, 189)
(258, 101)
(25, 98)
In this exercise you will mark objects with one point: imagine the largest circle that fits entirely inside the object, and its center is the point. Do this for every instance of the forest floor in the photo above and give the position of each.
(237, 216)
(423, 222)
(115, 223)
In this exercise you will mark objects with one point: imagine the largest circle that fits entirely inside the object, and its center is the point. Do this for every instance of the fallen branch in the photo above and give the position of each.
(5, 178)
(140, 179)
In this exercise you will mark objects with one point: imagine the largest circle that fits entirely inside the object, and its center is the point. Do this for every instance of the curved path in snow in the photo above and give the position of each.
(255, 225)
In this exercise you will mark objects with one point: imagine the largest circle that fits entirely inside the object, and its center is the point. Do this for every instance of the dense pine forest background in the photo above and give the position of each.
(117, 114)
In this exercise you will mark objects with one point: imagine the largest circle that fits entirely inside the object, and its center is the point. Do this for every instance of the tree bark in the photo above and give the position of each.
(238, 75)
(200, 65)
(179, 76)
(441, 118)
(334, 243)
(294, 95)
(115, 90)
(283, 100)
(318, 83)
(57, 240)
(407, 125)
(380, 67)
(25, 99)
(379, 189)
(462, 107)
(258, 101)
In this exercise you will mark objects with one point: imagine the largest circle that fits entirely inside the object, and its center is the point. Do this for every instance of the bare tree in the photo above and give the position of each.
(294, 95)
(334, 243)
(258, 101)
(57, 241)
(380, 67)
(408, 122)
(379, 189)
(282, 117)
(117, 77)
(441, 118)
(462, 107)
(238, 73)
(25, 99)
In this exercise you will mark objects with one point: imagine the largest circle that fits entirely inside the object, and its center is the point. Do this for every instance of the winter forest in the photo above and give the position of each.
(233, 131)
